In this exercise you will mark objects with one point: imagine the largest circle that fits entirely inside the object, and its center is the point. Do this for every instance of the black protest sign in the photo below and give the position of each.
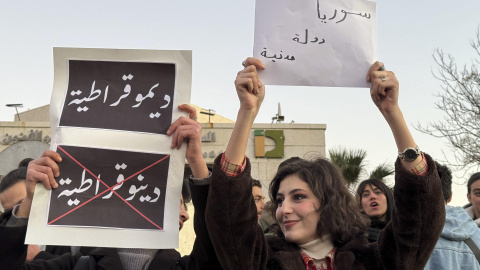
(132, 96)
(109, 188)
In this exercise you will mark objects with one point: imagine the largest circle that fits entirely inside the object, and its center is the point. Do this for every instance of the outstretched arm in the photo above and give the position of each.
(231, 214)
(384, 92)
(418, 217)
(250, 92)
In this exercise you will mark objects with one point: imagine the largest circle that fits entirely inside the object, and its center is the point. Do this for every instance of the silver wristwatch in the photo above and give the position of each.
(409, 154)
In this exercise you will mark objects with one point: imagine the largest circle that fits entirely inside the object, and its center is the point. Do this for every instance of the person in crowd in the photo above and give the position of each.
(473, 195)
(258, 197)
(24, 162)
(376, 202)
(12, 192)
(12, 188)
(318, 216)
(460, 234)
(43, 170)
(267, 220)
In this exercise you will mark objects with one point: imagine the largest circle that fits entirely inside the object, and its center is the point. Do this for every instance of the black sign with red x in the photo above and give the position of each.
(109, 188)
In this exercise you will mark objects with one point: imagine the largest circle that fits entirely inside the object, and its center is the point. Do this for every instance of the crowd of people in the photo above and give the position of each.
(312, 220)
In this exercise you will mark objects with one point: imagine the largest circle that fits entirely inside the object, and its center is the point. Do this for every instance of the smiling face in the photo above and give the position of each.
(374, 202)
(297, 212)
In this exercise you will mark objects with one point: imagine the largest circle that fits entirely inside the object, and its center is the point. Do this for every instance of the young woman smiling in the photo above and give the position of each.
(319, 219)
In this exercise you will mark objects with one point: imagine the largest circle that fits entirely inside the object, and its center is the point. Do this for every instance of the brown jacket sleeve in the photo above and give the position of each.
(417, 220)
(231, 218)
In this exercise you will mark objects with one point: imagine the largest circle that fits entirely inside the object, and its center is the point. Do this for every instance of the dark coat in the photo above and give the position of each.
(405, 243)
(13, 251)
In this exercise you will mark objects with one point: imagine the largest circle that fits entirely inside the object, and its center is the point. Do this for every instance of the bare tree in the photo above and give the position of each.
(460, 101)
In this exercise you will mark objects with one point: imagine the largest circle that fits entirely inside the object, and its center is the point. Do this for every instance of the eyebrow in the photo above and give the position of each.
(292, 191)
(477, 189)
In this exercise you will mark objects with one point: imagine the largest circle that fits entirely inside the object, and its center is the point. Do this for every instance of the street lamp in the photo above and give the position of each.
(209, 113)
(16, 106)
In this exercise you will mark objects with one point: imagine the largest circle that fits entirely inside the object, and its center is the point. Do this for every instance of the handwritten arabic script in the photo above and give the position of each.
(318, 43)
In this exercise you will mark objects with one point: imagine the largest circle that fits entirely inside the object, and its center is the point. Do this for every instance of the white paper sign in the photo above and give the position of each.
(315, 42)
(109, 113)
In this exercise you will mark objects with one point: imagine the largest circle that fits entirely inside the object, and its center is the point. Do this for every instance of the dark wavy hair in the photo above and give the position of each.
(386, 191)
(342, 218)
(446, 180)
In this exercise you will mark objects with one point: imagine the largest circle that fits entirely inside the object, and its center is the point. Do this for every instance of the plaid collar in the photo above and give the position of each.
(326, 264)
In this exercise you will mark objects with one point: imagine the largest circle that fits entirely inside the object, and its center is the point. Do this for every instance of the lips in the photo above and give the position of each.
(180, 224)
(290, 223)
(374, 204)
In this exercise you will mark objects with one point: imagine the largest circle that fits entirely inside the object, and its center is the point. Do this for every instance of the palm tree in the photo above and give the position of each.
(351, 162)
(381, 171)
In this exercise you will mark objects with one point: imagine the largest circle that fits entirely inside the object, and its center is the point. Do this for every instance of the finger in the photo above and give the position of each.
(180, 121)
(250, 72)
(47, 161)
(192, 113)
(374, 94)
(255, 62)
(254, 79)
(39, 173)
(245, 84)
(52, 154)
(182, 135)
(191, 134)
(375, 67)
(181, 124)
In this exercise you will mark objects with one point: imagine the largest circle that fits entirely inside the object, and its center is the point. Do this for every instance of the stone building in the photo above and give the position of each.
(269, 145)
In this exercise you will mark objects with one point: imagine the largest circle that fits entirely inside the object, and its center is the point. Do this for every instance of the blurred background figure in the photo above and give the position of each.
(376, 201)
(460, 235)
(473, 195)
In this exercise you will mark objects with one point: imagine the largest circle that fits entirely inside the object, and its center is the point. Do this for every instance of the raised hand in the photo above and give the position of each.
(384, 89)
(44, 170)
(190, 131)
(250, 90)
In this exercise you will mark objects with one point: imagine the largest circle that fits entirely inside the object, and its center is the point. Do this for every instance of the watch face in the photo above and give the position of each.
(411, 154)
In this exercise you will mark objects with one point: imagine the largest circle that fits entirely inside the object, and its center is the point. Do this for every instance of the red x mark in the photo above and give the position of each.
(108, 189)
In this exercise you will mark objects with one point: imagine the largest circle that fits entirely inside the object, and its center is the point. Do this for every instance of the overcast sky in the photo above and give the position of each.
(220, 33)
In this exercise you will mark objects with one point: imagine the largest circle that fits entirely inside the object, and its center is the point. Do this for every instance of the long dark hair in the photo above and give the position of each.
(339, 215)
(386, 191)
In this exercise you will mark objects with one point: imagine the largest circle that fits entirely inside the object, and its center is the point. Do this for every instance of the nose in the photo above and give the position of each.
(183, 214)
(262, 205)
(285, 209)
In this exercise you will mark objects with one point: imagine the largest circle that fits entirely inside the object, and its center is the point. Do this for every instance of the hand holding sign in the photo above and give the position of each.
(250, 89)
(190, 131)
(42, 170)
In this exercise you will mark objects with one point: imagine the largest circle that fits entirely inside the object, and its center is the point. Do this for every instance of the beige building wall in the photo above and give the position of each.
(40, 114)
